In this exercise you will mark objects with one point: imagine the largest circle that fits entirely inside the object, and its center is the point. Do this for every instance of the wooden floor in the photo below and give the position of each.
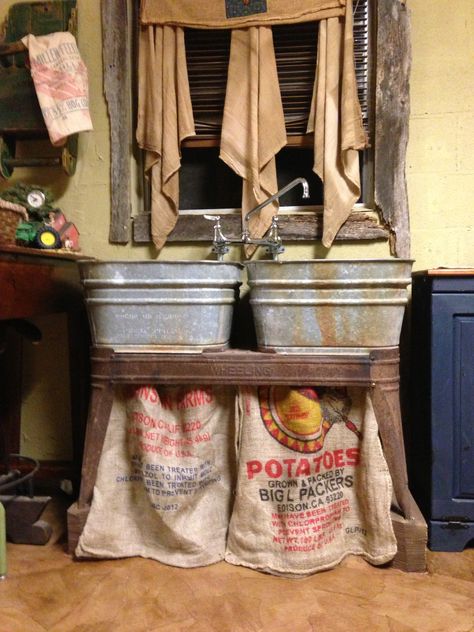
(47, 590)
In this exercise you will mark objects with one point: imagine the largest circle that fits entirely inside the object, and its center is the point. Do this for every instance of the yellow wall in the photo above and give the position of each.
(440, 164)
(439, 170)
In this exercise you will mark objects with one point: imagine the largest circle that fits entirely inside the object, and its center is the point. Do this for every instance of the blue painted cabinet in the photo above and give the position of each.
(440, 436)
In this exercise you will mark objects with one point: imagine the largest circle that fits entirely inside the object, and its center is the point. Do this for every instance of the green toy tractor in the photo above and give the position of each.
(39, 235)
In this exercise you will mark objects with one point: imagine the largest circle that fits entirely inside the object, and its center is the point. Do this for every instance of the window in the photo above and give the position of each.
(383, 92)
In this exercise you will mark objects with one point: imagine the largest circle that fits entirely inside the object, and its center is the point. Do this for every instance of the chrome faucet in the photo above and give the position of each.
(271, 199)
(271, 239)
(220, 243)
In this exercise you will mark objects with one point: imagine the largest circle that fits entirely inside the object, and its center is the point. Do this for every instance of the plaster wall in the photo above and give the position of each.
(440, 166)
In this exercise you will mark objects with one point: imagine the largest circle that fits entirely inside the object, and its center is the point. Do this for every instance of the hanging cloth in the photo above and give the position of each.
(165, 118)
(253, 127)
(336, 120)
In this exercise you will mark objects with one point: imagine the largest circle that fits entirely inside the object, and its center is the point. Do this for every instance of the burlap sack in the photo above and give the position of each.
(61, 84)
(313, 485)
(165, 477)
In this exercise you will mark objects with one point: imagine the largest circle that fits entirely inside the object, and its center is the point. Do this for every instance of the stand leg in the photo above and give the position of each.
(385, 398)
(410, 529)
(100, 408)
(99, 413)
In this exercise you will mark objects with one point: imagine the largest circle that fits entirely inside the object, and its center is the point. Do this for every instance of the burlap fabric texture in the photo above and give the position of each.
(165, 479)
(253, 128)
(313, 485)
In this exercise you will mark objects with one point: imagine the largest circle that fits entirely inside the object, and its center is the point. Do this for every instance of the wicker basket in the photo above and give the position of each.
(10, 216)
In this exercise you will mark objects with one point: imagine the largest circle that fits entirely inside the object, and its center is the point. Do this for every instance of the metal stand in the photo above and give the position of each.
(377, 369)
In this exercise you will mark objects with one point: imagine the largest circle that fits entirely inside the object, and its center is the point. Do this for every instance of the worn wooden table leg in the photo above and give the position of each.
(79, 372)
(99, 414)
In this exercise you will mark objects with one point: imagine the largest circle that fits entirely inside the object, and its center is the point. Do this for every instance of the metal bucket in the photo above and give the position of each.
(160, 305)
(306, 306)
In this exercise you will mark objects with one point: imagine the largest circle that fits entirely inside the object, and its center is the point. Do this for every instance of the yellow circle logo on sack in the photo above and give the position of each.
(294, 417)
(298, 410)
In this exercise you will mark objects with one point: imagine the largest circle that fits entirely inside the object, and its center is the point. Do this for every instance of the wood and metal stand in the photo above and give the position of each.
(377, 369)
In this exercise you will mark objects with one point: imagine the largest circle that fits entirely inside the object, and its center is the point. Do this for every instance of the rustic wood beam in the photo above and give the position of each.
(392, 110)
(117, 85)
(292, 228)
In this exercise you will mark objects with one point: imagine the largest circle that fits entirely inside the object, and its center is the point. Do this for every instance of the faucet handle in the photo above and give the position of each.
(273, 230)
(219, 241)
(211, 218)
(273, 240)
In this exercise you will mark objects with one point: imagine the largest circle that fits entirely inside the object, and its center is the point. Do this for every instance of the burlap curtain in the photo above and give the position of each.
(165, 118)
(253, 127)
(336, 121)
(213, 14)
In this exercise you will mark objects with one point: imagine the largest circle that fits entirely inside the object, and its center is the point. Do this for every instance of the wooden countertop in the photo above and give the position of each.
(35, 282)
(445, 272)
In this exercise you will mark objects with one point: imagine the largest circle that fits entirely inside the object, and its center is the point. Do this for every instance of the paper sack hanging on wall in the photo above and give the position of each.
(61, 84)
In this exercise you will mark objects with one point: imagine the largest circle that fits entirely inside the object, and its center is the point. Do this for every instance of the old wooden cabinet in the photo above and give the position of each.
(441, 431)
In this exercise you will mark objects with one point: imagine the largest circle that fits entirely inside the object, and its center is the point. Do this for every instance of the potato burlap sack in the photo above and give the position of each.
(165, 477)
(313, 485)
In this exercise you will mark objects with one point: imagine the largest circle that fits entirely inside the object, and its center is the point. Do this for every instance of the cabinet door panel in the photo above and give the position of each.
(453, 406)
(464, 406)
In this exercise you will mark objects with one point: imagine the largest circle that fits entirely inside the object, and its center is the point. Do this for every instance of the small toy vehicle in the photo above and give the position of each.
(56, 233)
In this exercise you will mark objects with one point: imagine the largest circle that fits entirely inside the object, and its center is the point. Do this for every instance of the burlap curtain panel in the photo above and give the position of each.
(253, 126)
(165, 118)
(336, 120)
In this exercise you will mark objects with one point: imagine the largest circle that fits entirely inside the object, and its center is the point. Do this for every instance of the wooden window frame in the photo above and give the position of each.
(390, 137)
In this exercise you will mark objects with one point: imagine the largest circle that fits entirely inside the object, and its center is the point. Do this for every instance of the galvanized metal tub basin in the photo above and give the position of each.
(160, 305)
(306, 306)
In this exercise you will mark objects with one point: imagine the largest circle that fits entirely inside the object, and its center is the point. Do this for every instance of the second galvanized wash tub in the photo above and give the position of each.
(160, 305)
(304, 306)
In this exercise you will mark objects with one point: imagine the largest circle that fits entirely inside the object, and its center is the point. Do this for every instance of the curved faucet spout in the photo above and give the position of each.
(274, 197)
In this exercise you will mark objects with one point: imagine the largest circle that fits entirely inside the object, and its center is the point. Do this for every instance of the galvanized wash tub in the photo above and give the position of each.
(305, 306)
(160, 305)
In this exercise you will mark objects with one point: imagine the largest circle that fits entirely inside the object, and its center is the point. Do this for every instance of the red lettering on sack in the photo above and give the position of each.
(304, 468)
(294, 468)
(253, 467)
(148, 393)
(338, 458)
(273, 468)
(353, 456)
(194, 398)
